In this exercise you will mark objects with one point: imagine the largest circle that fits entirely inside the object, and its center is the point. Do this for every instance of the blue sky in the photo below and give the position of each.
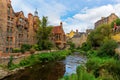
(75, 14)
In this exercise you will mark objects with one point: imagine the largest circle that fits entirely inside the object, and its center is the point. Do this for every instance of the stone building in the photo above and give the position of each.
(106, 20)
(88, 31)
(79, 38)
(58, 36)
(15, 28)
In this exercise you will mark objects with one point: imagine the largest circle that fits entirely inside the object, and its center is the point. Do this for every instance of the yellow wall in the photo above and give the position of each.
(71, 34)
(116, 37)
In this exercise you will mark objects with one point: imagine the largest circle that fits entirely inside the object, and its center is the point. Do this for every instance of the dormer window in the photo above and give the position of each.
(20, 19)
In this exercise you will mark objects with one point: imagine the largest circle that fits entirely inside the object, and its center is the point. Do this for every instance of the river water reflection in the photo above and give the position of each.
(50, 71)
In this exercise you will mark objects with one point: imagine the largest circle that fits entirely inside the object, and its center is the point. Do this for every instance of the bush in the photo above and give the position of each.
(113, 67)
(25, 47)
(92, 53)
(97, 36)
(81, 74)
(108, 48)
(86, 46)
(32, 50)
(16, 50)
(10, 63)
(72, 45)
(36, 47)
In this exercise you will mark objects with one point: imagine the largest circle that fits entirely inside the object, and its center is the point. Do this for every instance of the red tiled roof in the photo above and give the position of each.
(57, 29)
(17, 14)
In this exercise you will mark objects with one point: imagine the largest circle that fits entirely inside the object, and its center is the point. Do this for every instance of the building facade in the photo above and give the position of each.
(15, 28)
(79, 38)
(58, 36)
(106, 20)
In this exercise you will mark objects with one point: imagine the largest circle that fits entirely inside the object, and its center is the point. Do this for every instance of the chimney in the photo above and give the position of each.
(61, 24)
(9, 1)
(76, 30)
(102, 18)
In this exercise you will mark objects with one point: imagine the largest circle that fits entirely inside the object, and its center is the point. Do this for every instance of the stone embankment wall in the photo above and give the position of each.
(17, 57)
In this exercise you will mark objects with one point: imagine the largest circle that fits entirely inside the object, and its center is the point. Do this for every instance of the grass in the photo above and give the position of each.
(97, 68)
(41, 58)
(81, 74)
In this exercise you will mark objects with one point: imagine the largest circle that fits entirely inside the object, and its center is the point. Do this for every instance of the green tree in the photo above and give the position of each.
(43, 34)
(86, 46)
(117, 21)
(97, 36)
(25, 47)
(107, 48)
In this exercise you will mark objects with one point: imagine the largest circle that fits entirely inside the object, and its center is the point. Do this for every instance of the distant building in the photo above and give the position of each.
(79, 38)
(71, 34)
(15, 28)
(58, 36)
(88, 31)
(106, 20)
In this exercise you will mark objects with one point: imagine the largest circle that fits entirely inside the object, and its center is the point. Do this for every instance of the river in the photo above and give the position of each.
(50, 71)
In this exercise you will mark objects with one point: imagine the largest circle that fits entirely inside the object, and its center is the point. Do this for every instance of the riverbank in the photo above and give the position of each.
(52, 70)
(97, 68)
(36, 58)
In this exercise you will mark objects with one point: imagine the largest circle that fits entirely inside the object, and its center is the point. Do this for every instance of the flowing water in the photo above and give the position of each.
(50, 71)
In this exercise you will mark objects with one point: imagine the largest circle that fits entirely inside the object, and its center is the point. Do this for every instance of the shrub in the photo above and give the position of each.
(25, 47)
(86, 46)
(16, 50)
(24, 62)
(108, 48)
(81, 74)
(36, 47)
(72, 45)
(10, 63)
(113, 67)
(91, 53)
(32, 50)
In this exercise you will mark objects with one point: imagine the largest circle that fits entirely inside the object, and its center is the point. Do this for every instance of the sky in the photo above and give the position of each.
(75, 14)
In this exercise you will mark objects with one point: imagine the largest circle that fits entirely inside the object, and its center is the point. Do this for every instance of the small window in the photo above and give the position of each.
(11, 49)
(11, 39)
(7, 50)
(20, 19)
(8, 18)
(8, 10)
(7, 39)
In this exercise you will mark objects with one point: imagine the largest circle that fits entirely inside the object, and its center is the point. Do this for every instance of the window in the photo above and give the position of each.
(7, 50)
(7, 39)
(9, 30)
(9, 10)
(11, 39)
(11, 49)
(8, 18)
(20, 19)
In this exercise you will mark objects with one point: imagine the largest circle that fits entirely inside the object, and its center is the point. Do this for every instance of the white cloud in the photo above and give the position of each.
(117, 1)
(54, 10)
(87, 19)
(19, 5)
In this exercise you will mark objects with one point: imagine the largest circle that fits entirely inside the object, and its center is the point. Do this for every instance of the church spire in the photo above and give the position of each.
(36, 12)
